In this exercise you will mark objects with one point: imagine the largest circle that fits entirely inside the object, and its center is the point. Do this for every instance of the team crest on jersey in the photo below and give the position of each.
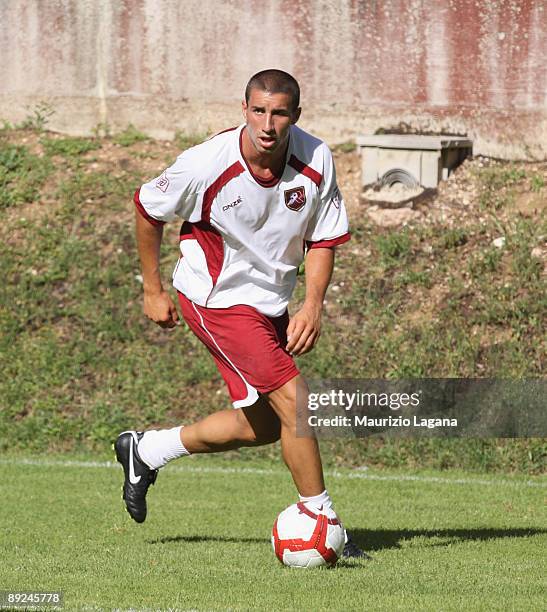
(295, 198)
(162, 183)
(336, 197)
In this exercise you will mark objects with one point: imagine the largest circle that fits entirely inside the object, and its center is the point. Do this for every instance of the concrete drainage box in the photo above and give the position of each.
(410, 160)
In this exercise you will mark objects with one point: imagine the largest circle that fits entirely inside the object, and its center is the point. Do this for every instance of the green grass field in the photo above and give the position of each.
(81, 363)
(437, 541)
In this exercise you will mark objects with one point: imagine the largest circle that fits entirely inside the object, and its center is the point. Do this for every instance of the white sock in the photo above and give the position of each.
(158, 446)
(323, 503)
(323, 499)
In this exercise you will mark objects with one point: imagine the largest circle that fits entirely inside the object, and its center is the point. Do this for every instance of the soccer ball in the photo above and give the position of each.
(304, 538)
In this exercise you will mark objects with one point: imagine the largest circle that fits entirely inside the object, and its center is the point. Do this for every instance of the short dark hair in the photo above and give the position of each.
(274, 81)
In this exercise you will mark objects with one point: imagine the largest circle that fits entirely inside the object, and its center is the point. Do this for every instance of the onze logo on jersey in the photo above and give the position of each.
(232, 204)
(295, 198)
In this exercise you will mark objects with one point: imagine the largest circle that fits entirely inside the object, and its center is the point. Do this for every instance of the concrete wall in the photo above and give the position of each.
(463, 66)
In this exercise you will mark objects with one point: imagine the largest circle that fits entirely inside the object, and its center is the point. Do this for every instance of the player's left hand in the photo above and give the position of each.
(304, 330)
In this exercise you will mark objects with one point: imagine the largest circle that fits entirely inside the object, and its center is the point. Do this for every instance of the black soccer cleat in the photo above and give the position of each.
(138, 476)
(351, 550)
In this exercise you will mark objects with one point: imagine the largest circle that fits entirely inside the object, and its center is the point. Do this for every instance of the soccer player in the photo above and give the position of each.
(255, 201)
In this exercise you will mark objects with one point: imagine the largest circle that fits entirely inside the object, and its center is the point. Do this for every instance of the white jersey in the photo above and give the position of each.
(243, 238)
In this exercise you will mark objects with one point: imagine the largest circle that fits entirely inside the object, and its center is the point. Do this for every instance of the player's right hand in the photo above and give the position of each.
(160, 308)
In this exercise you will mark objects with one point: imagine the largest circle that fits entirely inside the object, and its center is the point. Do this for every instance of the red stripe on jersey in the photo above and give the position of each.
(327, 244)
(306, 170)
(223, 132)
(211, 244)
(212, 191)
(141, 209)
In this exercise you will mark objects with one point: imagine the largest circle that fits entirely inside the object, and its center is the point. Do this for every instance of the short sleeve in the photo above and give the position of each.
(329, 225)
(174, 193)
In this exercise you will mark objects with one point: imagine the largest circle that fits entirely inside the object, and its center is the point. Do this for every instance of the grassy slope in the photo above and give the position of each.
(205, 545)
(80, 363)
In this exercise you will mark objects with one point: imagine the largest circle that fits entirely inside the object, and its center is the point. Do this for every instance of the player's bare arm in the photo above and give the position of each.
(158, 305)
(305, 326)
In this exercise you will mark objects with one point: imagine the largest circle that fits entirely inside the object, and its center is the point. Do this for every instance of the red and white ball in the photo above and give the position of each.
(302, 537)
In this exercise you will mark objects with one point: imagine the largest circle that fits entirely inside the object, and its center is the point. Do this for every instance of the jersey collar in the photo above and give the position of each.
(261, 182)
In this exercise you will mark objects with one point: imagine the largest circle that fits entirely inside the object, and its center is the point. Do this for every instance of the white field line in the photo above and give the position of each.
(356, 475)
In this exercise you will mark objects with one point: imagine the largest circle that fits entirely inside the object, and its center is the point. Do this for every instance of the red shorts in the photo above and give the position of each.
(247, 346)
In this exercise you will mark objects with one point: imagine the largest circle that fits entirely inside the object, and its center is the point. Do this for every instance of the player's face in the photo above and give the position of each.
(269, 117)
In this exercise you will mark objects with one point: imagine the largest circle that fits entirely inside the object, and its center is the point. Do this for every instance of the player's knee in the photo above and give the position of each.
(288, 400)
(286, 411)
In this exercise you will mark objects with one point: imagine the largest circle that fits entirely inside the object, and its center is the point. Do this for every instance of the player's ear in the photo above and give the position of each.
(296, 115)
(244, 108)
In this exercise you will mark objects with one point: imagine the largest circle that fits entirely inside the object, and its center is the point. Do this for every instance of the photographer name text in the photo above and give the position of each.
(356, 420)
